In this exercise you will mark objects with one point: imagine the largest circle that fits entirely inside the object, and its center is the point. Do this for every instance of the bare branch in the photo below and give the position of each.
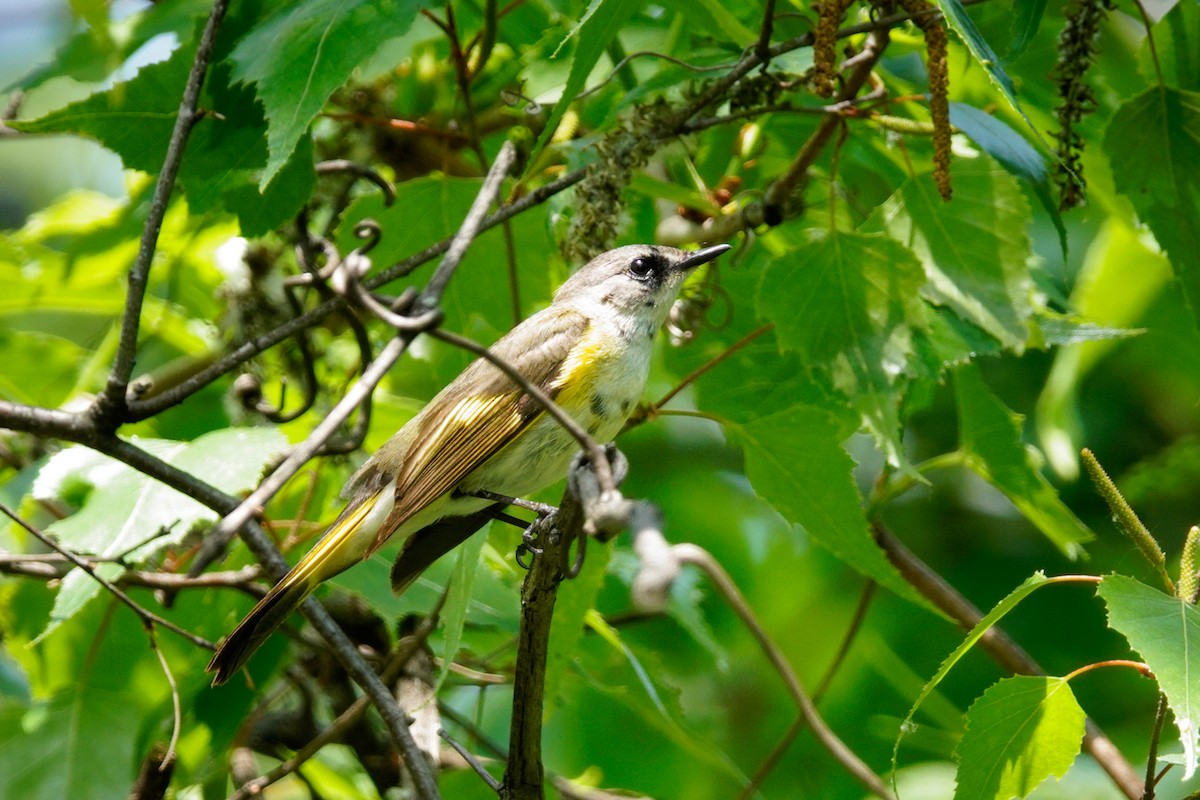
(52, 569)
(108, 410)
(524, 777)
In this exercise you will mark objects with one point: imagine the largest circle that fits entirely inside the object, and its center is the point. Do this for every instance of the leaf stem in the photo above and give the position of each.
(1141, 667)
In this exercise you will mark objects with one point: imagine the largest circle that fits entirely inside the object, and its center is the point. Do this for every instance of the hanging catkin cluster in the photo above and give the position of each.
(829, 17)
(933, 26)
(1076, 50)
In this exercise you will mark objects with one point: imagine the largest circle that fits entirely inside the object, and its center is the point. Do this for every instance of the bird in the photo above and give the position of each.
(589, 351)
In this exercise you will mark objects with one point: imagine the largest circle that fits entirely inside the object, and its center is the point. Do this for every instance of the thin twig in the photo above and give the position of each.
(699, 557)
(1160, 716)
(769, 763)
(782, 187)
(147, 617)
(176, 707)
(472, 762)
(695, 374)
(42, 567)
(762, 48)
(472, 226)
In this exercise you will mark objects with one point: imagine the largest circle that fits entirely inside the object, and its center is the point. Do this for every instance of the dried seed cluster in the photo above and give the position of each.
(598, 196)
(1076, 51)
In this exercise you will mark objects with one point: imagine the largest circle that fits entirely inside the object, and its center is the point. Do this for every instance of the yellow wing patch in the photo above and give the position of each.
(489, 412)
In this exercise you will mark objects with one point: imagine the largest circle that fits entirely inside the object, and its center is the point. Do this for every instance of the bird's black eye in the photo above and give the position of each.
(642, 268)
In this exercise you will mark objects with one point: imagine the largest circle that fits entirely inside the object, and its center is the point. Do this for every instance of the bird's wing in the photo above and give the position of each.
(479, 413)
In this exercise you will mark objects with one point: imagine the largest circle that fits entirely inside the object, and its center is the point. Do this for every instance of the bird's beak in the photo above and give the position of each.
(701, 257)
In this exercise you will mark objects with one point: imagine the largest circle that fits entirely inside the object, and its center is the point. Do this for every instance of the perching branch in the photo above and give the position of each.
(524, 776)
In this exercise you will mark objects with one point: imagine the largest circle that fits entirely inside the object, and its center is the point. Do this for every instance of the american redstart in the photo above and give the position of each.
(589, 351)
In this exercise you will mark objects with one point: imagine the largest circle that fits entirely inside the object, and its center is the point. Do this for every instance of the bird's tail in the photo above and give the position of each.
(260, 623)
(343, 545)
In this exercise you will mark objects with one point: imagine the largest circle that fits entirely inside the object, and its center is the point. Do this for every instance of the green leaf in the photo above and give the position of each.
(1025, 23)
(795, 461)
(454, 617)
(299, 56)
(990, 437)
(1034, 581)
(850, 301)
(958, 19)
(1014, 153)
(974, 249)
(225, 152)
(127, 515)
(1177, 42)
(576, 599)
(599, 26)
(1165, 631)
(1164, 189)
(1019, 732)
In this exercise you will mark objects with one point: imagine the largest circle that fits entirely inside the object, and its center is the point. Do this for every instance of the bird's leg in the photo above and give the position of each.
(526, 551)
(541, 509)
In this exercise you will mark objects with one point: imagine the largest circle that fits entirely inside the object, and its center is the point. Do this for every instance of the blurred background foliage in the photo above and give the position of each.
(1075, 321)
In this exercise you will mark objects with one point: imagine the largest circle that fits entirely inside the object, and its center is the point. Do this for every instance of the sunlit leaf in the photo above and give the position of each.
(127, 515)
(1019, 732)
(1014, 153)
(1165, 632)
(305, 51)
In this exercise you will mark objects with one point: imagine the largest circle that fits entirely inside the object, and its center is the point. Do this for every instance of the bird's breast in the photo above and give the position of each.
(599, 386)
